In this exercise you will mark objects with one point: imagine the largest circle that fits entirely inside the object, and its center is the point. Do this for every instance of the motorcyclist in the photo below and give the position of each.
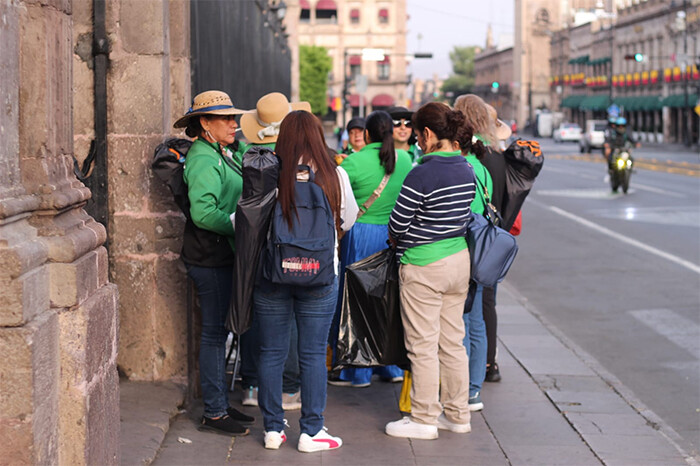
(617, 138)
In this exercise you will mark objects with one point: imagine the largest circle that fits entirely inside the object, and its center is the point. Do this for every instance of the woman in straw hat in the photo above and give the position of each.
(213, 177)
(261, 127)
(301, 142)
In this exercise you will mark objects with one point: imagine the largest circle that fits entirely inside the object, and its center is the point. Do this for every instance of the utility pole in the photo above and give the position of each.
(687, 116)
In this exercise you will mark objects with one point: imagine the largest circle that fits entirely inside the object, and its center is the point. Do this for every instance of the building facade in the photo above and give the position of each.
(645, 62)
(493, 82)
(358, 84)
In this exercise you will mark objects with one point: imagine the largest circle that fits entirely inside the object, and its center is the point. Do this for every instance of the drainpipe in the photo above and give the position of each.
(96, 160)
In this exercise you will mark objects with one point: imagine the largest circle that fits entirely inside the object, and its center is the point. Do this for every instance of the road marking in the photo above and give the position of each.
(676, 328)
(620, 237)
(652, 189)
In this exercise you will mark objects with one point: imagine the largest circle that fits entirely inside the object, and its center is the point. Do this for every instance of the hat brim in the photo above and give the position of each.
(250, 126)
(183, 121)
(503, 131)
(401, 115)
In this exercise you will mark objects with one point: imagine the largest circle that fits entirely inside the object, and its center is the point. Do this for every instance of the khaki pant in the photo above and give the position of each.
(432, 304)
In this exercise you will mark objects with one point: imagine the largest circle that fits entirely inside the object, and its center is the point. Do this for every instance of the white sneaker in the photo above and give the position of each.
(446, 424)
(319, 442)
(250, 396)
(406, 428)
(291, 401)
(273, 439)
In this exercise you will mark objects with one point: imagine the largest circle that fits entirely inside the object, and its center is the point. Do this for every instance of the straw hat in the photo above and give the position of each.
(263, 125)
(210, 103)
(503, 131)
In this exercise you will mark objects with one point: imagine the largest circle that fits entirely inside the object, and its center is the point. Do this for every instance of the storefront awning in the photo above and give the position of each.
(678, 100)
(304, 4)
(382, 100)
(581, 59)
(595, 102)
(326, 5)
(639, 102)
(572, 101)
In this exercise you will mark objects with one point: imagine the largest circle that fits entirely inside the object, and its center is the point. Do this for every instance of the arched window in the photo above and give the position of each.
(355, 16)
(383, 15)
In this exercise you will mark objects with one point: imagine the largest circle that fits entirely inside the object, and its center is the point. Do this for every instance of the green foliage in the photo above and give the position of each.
(461, 81)
(314, 66)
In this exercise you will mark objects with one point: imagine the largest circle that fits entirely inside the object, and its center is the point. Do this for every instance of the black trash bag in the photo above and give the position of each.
(371, 332)
(253, 214)
(524, 161)
(169, 165)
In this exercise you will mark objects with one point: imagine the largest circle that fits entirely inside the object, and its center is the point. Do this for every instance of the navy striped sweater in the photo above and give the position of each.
(434, 202)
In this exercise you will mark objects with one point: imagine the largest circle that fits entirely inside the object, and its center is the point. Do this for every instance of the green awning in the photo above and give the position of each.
(678, 100)
(572, 101)
(595, 102)
(639, 102)
(581, 59)
(599, 61)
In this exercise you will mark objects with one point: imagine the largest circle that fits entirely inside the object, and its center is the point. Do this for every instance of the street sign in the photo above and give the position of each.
(361, 83)
(372, 54)
(613, 111)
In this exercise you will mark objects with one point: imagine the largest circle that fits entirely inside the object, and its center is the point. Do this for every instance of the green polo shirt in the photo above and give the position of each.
(365, 172)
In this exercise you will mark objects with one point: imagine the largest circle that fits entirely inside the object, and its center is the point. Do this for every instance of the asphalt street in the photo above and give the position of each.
(619, 274)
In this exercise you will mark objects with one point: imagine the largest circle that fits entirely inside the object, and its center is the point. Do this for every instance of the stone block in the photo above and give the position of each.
(129, 172)
(18, 441)
(9, 90)
(136, 281)
(180, 89)
(158, 233)
(171, 319)
(23, 297)
(83, 99)
(71, 284)
(135, 90)
(141, 26)
(103, 420)
(179, 25)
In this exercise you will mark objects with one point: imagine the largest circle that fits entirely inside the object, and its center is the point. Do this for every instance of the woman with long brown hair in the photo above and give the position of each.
(303, 159)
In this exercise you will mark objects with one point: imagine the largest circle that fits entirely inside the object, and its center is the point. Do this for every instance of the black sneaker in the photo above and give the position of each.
(239, 416)
(492, 373)
(223, 425)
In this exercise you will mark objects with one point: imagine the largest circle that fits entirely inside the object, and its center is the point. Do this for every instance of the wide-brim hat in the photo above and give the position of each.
(503, 131)
(398, 113)
(210, 103)
(262, 125)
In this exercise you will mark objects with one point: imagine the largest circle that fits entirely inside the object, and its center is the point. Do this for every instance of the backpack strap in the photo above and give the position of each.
(377, 192)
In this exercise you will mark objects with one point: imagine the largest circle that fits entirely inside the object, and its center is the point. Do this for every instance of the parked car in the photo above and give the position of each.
(594, 135)
(567, 132)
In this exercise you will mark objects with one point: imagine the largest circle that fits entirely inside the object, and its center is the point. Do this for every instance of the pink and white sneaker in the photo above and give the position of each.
(319, 442)
(273, 440)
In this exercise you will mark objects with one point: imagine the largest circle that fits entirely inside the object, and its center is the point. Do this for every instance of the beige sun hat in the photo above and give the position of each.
(210, 103)
(503, 131)
(263, 125)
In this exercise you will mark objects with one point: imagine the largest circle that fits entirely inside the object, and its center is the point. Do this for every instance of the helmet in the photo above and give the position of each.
(622, 121)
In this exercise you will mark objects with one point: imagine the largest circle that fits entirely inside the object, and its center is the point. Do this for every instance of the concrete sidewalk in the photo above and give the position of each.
(555, 405)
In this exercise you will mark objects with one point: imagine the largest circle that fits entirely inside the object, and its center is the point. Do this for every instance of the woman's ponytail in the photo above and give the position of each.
(380, 128)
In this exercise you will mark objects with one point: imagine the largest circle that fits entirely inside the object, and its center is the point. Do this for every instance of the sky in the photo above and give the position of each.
(444, 24)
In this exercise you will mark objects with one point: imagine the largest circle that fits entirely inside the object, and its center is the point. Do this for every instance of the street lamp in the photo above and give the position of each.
(369, 54)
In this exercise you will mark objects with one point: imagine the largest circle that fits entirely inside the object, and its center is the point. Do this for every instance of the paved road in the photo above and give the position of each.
(620, 275)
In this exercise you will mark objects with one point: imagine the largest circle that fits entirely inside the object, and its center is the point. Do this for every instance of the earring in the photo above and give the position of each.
(206, 131)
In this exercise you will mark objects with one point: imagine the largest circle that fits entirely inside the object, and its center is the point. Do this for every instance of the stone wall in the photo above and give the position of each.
(59, 401)
(148, 87)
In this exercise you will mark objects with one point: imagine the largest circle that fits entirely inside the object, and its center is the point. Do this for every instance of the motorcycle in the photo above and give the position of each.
(621, 168)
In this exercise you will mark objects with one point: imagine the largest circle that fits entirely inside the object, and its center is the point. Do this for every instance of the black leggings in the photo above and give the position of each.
(491, 321)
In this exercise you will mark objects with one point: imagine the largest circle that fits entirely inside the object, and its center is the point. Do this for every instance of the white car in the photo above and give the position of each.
(594, 136)
(567, 132)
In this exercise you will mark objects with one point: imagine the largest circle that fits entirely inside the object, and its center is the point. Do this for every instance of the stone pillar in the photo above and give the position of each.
(58, 312)
(148, 87)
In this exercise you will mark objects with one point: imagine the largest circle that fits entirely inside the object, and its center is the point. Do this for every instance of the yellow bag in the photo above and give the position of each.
(405, 400)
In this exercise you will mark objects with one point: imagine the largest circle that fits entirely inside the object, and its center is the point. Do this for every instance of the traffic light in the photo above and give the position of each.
(494, 86)
(638, 57)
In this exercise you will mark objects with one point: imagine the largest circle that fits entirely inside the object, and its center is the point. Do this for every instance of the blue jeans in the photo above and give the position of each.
(312, 308)
(214, 291)
(475, 342)
(250, 355)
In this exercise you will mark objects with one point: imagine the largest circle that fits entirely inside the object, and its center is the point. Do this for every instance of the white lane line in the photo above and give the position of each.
(676, 328)
(620, 237)
(652, 189)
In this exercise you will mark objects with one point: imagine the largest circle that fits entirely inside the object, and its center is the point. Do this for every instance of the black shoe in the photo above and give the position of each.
(239, 416)
(492, 373)
(223, 425)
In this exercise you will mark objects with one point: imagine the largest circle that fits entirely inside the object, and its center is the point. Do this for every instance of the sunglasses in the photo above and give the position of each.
(406, 123)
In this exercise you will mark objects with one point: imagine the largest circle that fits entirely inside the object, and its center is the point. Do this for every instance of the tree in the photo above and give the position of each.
(461, 81)
(314, 66)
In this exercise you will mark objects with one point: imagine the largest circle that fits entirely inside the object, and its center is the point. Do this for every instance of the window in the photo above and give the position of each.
(355, 66)
(355, 16)
(384, 69)
(383, 16)
(305, 15)
(326, 11)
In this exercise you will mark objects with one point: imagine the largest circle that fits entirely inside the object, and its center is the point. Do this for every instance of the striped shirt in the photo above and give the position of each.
(434, 203)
